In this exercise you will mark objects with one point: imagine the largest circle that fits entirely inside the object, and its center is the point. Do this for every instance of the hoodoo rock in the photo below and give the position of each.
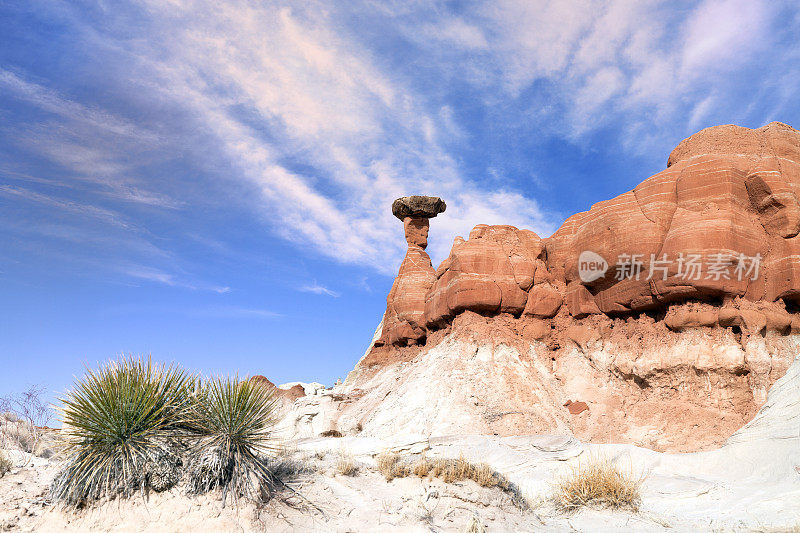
(672, 307)
(404, 320)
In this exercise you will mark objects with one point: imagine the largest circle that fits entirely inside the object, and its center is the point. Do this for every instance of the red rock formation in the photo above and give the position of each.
(720, 223)
(655, 350)
(490, 273)
(404, 320)
(727, 191)
(286, 395)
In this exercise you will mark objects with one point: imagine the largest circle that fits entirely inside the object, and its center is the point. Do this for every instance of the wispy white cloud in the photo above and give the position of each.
(89, 142)
(49, 100)
(299, 116)
(156, 275)
(202, 311)
(77, 208)
(367, 136)
(316, 288)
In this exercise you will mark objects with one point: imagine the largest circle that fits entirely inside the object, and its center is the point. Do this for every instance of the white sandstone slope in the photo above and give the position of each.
(675, 392)
(751, 483)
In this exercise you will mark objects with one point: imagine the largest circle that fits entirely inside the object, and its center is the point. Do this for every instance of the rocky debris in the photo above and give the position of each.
(649, 385)
(418, 206)
(576, 408)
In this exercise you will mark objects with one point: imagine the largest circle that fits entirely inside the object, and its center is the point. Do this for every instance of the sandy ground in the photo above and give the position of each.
(687, 492)
(364, 502)
(751, 483)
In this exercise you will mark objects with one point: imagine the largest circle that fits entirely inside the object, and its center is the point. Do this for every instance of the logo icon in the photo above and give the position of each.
(591, 266)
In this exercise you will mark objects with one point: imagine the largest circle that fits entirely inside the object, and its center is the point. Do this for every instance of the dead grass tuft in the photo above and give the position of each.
(392, 466)
(598, 482)
(346, 464)
(475, 526)
(5, 464)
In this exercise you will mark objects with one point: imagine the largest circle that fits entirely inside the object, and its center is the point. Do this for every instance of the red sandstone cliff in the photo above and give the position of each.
(680, 317)
(719, 225)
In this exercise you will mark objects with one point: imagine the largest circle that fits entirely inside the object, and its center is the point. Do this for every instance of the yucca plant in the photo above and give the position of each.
(234, 421)
(122, 425)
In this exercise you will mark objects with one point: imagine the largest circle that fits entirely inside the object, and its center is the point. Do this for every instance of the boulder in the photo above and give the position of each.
(544, 301)
(487, 274)
(418, 206)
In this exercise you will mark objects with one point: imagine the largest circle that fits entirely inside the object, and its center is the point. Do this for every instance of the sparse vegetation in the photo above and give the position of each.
(5, 464)
(475, 526)
(392, 466)
(233, 421)
(134, 425)
(331, 433)
(598, 482)
(346, 464)
(23, 420)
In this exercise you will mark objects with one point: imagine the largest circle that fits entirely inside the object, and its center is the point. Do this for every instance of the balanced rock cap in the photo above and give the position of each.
(418, 206)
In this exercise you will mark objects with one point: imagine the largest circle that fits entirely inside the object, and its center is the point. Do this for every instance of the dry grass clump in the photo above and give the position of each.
(331, 433)
(449, 470)
(598, 482)
(5, 464)
(392, 466)
(475, 526)
(346, 465)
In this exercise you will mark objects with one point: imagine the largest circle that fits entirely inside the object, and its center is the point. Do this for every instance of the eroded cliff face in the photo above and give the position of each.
(675, 302)
(719, 225)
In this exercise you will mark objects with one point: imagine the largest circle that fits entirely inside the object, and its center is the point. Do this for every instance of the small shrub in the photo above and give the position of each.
(234, 420)
(5, 464)
(598, 482)
(331, 433)
(390, 465)
(346, 465)
(286, 470)
(118, 423)
(24, 419)
(475, 526)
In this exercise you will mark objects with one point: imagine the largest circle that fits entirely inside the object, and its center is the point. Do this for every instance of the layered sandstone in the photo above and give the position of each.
(669, 307)
(404, 320)
(719, 225)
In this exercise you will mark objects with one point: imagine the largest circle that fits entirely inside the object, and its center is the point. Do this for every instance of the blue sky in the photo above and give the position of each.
(212, 184)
